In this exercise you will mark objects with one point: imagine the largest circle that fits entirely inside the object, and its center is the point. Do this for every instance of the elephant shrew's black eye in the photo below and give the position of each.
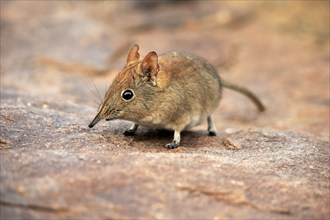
(127, 94)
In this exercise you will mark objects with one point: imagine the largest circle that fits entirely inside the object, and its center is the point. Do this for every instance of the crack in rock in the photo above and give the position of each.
(35, 207)
(233, 197)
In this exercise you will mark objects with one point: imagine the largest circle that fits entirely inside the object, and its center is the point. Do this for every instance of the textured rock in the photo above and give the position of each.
(270, 165)
(51, 169)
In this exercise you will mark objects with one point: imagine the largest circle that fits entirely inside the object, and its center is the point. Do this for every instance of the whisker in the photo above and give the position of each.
(93, 91)
(105, 89)
(91, 96)
(92, 100)
(98, 93)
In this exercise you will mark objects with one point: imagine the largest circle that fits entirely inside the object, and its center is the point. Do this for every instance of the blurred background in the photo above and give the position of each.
(53, 51)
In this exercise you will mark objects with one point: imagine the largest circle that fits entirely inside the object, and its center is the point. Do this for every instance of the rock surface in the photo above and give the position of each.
(273, 165)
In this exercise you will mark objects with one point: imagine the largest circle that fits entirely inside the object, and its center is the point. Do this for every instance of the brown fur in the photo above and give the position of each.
(175, 91)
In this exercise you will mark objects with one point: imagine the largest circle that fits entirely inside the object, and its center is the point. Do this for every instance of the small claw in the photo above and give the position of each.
(129, 132)
(172, 145)
(212, 133)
